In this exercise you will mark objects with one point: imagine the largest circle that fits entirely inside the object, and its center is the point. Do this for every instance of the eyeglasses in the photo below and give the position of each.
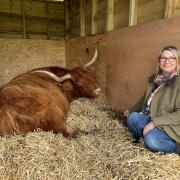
(164, 59)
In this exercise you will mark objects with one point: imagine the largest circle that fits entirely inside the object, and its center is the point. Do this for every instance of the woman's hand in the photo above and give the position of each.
(126, 113)
(148, 127)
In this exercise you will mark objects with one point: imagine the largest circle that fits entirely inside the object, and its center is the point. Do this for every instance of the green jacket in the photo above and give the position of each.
(165, 107)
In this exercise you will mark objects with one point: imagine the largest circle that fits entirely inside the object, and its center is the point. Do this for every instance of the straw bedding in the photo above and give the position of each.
(105, 152)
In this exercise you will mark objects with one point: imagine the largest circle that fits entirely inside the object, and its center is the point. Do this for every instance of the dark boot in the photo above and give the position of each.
(135, 139)
(177, 148)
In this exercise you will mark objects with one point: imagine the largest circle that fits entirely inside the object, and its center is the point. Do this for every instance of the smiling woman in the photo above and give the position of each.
(157, 115)
(168, 60)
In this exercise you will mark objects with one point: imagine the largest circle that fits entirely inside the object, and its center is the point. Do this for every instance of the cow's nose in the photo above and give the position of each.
(97, 91)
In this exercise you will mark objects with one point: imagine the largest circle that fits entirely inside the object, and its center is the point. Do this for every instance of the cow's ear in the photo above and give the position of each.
(67, 85)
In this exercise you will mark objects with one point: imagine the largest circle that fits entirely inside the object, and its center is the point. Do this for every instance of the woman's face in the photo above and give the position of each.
(167, 61)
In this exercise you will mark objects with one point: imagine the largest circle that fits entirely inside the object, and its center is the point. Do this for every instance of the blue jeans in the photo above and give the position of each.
(155, 139)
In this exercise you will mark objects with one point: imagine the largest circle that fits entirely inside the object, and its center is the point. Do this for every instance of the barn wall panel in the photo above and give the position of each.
(41, 19)
(150, 10)
(132, 58)
(18, 56)
(80, 50)
(121, 13)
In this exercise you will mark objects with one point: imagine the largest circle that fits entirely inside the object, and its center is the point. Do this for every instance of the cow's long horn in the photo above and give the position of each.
(53, 76)
(93, 59)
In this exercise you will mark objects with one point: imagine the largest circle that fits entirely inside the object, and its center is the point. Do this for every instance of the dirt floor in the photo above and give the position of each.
(105, 152)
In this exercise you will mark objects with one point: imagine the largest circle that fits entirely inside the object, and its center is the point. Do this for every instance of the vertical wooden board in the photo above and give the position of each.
(133, 57)
(110, 15)
(150, 10)
(93, 15)
(100, 17)
(133, 8)
(75, 18)
(101, 66)
(121, 13)
(82, 17)
(18, 56)
(88, 12)
(67, 17)
(177, 10)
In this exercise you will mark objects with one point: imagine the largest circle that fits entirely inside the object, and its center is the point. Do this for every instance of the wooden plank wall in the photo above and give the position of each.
(32, 19)
(122, 14)
(74, 18)
(20, 55)
(80, 50)
(96, 23)
(150, 10)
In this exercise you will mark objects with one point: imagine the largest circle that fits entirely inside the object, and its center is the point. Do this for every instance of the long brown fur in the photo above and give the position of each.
(33, 100)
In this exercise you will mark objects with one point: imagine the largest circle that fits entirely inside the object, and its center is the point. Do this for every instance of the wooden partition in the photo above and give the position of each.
(132, 57)
(80, 50)
(18, 56)
(32, 19)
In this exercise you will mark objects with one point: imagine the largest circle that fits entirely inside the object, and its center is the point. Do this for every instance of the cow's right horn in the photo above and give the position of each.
(93, 59)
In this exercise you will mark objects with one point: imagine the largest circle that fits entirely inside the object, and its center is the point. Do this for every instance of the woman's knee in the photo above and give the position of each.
(156, 143)
(132, 118)
(151, 142)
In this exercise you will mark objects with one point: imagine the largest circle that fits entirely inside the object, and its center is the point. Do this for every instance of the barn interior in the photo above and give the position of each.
(128, 35)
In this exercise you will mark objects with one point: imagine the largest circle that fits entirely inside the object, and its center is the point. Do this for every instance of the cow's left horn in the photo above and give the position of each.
(65, 77)
(93, 59)
(54, 76)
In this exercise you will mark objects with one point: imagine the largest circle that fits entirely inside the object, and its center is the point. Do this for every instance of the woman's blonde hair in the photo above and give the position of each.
(175, 52)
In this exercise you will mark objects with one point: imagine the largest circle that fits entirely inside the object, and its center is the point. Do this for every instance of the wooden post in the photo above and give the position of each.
(47, 20)
(170, 8)
(66, 6)
(82, 17)
(23, 19)
(110, 15)
(133, 6)
(93, 14)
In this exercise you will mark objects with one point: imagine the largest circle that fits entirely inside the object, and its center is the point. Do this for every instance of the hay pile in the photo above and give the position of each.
(106, 152)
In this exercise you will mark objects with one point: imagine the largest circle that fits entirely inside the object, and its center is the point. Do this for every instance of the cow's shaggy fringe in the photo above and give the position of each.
(106, 152)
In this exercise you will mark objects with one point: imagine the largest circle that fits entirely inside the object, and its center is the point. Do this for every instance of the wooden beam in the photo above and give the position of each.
(82, 17)
(133, 6)
(170, 8)
(93, 14)
(47, 20)
(66, 6)
(23, 19)
(110, 15)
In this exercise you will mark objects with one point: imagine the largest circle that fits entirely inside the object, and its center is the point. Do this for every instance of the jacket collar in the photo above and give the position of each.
(168, 82)
(171, 81)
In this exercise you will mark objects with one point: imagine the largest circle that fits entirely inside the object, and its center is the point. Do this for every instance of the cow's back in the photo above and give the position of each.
(29, 102)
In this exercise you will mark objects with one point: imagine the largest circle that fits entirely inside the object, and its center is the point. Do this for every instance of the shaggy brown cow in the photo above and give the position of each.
(40, 98)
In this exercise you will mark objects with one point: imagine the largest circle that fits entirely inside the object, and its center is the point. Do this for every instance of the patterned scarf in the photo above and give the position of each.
(162, 78)
(158, 82)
